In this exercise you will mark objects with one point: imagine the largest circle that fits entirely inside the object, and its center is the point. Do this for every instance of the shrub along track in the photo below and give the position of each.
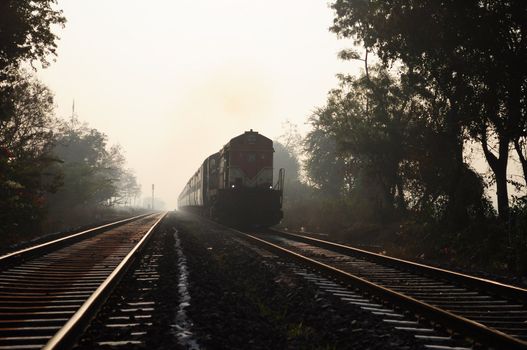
(245, 298)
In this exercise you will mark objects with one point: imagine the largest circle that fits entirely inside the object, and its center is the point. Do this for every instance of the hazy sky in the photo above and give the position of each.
(171, 81)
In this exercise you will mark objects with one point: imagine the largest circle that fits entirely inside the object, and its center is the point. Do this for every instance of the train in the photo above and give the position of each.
(235, 185)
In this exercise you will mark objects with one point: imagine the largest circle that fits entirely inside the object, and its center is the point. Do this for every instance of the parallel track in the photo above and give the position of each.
(128, 316)
(491, 313)
(49, 293)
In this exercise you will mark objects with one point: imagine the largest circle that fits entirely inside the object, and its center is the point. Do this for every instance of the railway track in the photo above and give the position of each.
(128, 315)
(489, 313)
(50, 292)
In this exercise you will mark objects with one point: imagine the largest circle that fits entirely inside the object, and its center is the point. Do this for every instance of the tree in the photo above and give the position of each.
(26, 31)
(285, 158)
(367, 117)
(25, 35)
(386, 151)
(291, 138)
(29, 131)
(325, 167)
(520, 145)
(128, 188)
(94, 173)
(26, 140)
(26, 113)
(472, 53)
(287, 149)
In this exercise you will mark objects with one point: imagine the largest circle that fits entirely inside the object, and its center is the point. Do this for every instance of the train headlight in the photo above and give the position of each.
(233, 186)
(271, 187)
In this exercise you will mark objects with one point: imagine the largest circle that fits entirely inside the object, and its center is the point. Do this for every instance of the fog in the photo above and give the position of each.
(173, 81)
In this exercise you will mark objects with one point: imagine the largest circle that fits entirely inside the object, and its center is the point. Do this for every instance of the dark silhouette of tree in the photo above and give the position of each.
(520, 145)
(471, 53)
(26, 31)
(377, 142)
(25, 36)
(26, 113)
(26, 140)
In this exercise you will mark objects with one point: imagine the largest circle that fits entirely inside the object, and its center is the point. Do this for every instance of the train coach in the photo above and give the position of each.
(235, 185)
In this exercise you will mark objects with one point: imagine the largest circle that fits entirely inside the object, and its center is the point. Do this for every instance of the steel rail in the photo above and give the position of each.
(66, 337)
(502, 289)
(477, 331)
(21, 255)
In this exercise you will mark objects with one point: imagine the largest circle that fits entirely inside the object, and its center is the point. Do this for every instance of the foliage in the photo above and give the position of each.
(378, 148)
(26, 31)
(295, 192)
(470, 53)
(291, 138)
(365, 125)
(128, 189)
(26, 113)
(39, 155)
(25, 35)
(325, 167)
(93, 172)
(285, 158)
(518, 234)
(26, 140)
(386, 154)
(28, 132)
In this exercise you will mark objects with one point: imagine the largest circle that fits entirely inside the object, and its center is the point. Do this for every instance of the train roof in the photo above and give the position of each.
(249, 138)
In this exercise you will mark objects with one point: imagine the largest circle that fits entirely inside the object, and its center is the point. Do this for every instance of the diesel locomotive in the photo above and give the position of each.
(235, 185)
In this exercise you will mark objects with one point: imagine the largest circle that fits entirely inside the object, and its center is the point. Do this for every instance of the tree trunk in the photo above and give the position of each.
(501, 190)
(521, 156)
(498, 164)
(456, 212)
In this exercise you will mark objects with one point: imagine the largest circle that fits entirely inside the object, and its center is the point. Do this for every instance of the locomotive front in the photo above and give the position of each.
(246, 195)
(235, 186)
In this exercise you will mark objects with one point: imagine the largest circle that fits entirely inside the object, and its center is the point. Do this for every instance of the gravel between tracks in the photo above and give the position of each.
(241, 299)
(160, 334)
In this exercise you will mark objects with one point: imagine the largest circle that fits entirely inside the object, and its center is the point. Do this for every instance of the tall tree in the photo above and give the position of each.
(26, 112)
(26, 140)
(472, 52)
(390, 147)
(520, 145)
(368, 117)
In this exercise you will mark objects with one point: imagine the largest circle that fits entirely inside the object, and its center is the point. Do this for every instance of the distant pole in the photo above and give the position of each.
(152, 196)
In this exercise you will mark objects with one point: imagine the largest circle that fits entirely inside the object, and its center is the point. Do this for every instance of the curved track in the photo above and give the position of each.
(491, 313)
(49, 293)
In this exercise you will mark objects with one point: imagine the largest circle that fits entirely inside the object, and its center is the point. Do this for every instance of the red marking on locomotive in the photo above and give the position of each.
(251, 154)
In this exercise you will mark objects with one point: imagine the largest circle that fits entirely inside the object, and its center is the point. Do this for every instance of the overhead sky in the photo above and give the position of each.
(172, 81)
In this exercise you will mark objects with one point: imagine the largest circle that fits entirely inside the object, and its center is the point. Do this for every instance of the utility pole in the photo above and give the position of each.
(152, 196)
